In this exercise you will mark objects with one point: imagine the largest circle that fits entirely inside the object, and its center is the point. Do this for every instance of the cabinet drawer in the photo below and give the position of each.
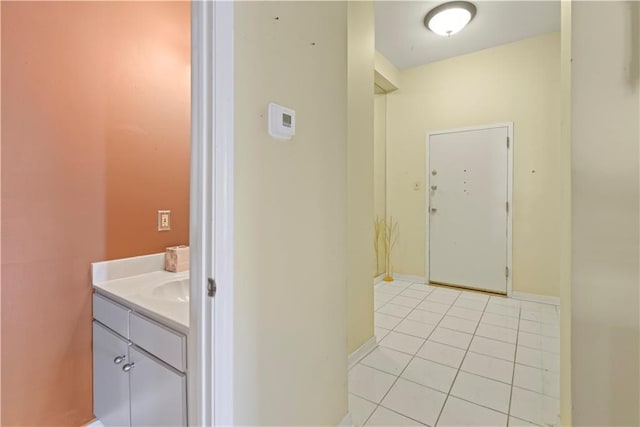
(159, 340)
(111, 314)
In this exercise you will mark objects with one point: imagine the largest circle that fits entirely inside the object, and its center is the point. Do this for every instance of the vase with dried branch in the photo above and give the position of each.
(389, 238)
(378, 231)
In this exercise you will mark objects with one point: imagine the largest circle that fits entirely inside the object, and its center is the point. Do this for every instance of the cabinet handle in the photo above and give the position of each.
(128, 367)
(118, 360)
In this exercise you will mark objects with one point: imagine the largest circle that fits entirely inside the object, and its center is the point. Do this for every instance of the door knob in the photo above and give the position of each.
(434, 187)
(434, 210)
(118, 360)
(128, 367)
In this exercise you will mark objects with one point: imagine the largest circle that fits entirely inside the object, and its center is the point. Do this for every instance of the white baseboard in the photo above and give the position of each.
(402, 277)
(524, 296)
(409, 278)
(346, 421)
(543, 299)
(361, 352)
(95, 423)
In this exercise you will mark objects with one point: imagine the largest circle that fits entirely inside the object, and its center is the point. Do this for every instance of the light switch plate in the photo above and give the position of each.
(164, 220)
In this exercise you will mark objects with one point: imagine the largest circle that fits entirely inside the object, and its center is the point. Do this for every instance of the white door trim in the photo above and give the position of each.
(210, 385)
(509, 126)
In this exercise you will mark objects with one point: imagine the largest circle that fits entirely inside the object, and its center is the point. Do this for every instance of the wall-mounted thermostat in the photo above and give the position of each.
(282, 121)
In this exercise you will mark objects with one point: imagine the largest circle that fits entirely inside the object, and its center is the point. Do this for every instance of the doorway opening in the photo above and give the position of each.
(485, 351)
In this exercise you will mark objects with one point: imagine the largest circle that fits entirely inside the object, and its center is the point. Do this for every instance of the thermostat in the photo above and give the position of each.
(282, 121)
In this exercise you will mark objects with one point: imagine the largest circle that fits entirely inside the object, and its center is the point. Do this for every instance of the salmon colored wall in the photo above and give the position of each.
(148, 127)
(95, 139)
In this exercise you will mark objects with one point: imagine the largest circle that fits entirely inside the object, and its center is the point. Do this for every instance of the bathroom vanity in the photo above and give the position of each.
(140, 327)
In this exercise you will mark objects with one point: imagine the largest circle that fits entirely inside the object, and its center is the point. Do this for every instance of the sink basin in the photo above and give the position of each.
(175, 290)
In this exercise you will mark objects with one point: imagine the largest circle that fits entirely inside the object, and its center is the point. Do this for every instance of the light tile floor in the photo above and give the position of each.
(451, 358)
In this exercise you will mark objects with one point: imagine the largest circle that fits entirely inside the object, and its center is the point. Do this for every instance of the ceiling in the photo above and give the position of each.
(403, 39)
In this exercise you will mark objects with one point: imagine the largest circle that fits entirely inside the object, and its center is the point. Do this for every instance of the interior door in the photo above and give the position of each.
(468, 211)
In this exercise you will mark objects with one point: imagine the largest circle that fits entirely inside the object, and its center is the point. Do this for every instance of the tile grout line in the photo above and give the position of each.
(451, 305)
(439, 391)
(412, 309)
(394, 330)
(483, 312)
(396, 412)
(513, 374)
(461, 363)
(468, 372)
(450, 367)
(414, 356)
(390, 410)
(542, 369)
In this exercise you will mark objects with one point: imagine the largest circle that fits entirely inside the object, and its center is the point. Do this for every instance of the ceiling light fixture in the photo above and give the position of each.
(449, 18)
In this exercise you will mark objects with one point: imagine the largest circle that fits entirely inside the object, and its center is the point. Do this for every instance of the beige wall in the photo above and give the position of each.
(379, 165)
(386, 75)
(605, 196)
(519, 82)
(565, 279)
(360, 173)
(291, 215)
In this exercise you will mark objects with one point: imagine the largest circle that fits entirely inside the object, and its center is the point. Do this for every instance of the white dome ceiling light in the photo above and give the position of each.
(449, 18)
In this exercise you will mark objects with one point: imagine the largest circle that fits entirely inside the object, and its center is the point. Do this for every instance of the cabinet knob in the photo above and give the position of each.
(118, 360)
(128, 367)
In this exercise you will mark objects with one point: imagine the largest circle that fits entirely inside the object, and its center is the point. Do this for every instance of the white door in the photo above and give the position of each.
(468, 210)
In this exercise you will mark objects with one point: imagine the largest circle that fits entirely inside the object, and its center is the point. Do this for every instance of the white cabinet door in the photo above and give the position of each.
(158, 392)
(468, 228)
(110, 383)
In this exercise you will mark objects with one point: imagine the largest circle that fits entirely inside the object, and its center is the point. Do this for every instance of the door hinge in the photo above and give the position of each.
(507, 207)
(507, 142)
(211, 287)
(506, 272)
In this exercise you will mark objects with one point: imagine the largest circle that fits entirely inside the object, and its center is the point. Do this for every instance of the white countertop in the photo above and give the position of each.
(133, 282)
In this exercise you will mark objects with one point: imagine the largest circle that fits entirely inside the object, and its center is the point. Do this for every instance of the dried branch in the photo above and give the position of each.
(390, 238)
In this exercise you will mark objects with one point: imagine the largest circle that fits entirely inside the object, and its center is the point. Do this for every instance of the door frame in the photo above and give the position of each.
(211, 237)
(509, 126)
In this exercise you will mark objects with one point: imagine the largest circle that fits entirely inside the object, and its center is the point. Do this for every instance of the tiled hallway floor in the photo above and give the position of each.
(451, 358)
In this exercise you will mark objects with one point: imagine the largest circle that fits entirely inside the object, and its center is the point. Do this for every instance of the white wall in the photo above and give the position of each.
(360, 254)
(519, 83)
(565, 279)
(605, 279)
(380, 164)
(291, 215)
(386, 75)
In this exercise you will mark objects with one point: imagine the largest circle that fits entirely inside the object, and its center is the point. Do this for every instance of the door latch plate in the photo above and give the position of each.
(211, 287)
